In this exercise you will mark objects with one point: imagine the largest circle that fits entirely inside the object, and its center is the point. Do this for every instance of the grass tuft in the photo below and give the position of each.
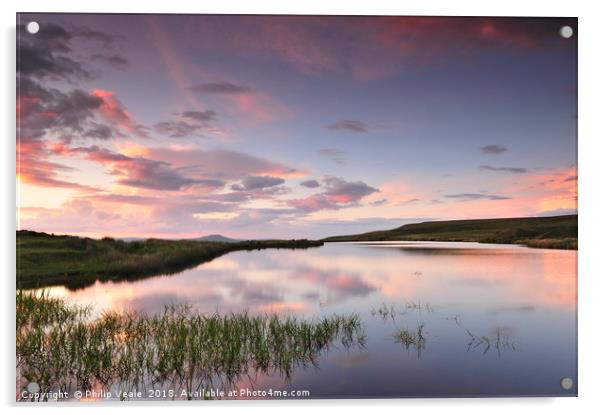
(61, 348)
(412, 338)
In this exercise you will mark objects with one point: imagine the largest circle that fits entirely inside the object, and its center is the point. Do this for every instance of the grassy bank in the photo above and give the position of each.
(44, 259)
(558, 232)
(60, 348)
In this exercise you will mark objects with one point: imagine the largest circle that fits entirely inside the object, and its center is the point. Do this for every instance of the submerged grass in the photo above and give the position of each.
(391, 311)
(411, 338)
(61, 348)
(499, 341)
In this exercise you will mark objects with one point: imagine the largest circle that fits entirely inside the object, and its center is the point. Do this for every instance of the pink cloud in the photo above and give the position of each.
(369, 48)
(223, 164)
(145, 173)
(171, 59)
(113, 111)
(262, 106)
(338, 193)
(552, 191)
(33, 167)
(339, 285)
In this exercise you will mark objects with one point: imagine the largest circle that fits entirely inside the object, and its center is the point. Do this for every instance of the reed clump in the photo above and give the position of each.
(411, 338)
(61, 347)
(499, 341)
(391, 311)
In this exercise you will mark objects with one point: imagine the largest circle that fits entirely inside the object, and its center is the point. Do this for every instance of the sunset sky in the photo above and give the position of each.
(290, 126)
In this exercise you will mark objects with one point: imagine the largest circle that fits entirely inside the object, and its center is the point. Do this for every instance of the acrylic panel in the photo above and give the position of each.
(295, 207)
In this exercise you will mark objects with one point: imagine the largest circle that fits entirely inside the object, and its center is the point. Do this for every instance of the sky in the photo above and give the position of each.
(179, 126)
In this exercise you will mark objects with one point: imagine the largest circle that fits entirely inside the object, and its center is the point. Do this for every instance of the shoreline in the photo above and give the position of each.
(45, 260)
(558, 244)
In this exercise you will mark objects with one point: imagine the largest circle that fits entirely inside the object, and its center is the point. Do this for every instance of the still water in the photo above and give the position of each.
(498, 319)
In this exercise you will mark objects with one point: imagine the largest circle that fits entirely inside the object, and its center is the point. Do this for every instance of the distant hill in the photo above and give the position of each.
(538, 232)
(216, 238)
(208, 238)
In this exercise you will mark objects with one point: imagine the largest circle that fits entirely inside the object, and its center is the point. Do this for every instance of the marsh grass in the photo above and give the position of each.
(429, 308)
(498, 342)
(385, 311)
(392, 311)
(44, 259)
(457, 318)
(61, 348)
(412, 338)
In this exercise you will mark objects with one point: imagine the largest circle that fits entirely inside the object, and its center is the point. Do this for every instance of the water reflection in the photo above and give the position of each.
(517, 302)
(342, 272)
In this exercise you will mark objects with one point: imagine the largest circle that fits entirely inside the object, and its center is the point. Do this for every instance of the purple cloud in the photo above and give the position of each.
(504, 169)
(310, 184)
(349, 125)
(226, 88)
(143, 172)
(188, 124)
(338, 194)
(476, 196)
(257, 183)
(338, 156)
(493, 149)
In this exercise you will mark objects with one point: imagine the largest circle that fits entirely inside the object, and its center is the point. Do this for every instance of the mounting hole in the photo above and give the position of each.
(566, 383)
(566, 32)
(33, 387)
(32, 28)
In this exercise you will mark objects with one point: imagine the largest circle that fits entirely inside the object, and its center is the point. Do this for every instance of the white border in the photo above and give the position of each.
(590, 161)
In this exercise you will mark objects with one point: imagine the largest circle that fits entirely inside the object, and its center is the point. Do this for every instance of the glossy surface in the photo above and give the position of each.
(498, 319)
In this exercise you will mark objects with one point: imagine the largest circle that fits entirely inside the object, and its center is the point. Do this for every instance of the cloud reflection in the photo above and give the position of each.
(342, 276)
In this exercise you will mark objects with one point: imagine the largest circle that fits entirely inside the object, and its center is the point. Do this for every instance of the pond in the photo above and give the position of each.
(494, 320)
